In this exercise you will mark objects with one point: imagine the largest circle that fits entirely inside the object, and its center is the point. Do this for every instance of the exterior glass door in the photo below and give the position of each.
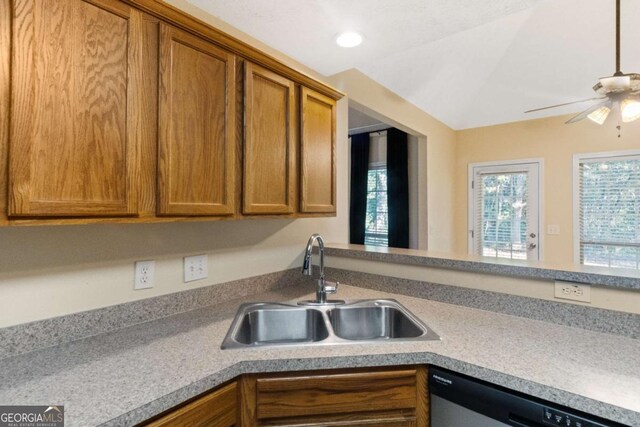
(504, 211)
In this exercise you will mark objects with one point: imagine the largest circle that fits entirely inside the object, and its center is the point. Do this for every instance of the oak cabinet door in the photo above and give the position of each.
(318, 153)
(76, 78)
(215, 409)
(269, 175)
(196, 126)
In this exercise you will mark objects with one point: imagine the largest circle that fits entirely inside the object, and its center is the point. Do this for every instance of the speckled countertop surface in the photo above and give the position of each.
(126, 376)
(623, 278)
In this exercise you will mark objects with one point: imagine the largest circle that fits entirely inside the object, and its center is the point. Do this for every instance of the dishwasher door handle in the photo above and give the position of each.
(517, 421)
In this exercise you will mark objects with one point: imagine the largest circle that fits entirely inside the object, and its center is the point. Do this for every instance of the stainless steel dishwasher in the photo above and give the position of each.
(461, 401)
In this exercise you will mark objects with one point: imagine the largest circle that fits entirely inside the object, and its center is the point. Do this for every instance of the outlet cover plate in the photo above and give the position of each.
(553, 230)
(195, 268)
(573, 291)
(144, 274)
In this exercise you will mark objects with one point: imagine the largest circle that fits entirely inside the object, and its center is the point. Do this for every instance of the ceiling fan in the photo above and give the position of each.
(619, 93)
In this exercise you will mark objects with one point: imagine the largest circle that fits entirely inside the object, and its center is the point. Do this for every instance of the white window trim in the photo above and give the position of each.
(577, 158)
(541, 211)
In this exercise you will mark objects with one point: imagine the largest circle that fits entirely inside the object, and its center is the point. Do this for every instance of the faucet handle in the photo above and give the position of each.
(331, 287)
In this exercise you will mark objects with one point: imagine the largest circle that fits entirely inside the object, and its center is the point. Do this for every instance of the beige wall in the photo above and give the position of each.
(436, 151)
(556, 143)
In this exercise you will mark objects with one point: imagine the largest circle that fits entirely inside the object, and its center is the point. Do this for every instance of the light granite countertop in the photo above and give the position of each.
(623, 278)
(124, 377)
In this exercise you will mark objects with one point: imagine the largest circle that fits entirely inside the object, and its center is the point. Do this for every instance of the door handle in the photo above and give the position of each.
(531, 246)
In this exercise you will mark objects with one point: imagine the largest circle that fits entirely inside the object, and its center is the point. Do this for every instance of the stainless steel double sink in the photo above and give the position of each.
(372, 321)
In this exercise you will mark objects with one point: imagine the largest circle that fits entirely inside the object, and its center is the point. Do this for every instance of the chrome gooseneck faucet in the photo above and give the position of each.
(323, 287)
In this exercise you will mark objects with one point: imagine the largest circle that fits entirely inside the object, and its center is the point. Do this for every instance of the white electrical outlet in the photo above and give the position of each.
(144, 274)
(553, 230)
(195, 268)
(573, 291)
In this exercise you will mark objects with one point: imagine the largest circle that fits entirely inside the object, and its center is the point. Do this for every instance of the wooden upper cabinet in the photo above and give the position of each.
(75, 111)
(127, 111)
(196, 126)
(269, 176)
(317, 153)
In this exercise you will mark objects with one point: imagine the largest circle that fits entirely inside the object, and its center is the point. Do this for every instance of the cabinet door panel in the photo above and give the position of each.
(318, 157)
(216, 409)
(75, 77)
(269, 147)
(196, 119)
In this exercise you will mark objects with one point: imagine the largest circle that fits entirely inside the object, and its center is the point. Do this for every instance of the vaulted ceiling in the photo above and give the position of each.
(469, 63)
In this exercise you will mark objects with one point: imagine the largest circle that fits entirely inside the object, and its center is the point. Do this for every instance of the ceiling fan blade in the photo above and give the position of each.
(588, 111)
(566, 103)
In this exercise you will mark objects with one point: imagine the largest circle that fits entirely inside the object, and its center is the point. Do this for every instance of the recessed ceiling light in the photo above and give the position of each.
(348, 39)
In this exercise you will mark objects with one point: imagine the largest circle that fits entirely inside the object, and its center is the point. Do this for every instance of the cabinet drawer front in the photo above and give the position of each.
(196, 126)
(336, 393)
(215, 409)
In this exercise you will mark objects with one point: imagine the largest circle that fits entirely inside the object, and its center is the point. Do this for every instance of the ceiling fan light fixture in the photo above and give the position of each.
(616, 83)
(348, 39)
(619, 93)
(630, 110)
(600, 115)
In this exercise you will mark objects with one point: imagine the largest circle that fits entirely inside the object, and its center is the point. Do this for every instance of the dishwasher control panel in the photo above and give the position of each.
(554, 417)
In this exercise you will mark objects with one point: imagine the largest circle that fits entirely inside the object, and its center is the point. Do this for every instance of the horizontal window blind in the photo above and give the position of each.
(502, 224)
(609, 211)
(377, 215)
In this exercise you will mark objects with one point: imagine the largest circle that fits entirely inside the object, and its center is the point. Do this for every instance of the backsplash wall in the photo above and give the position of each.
(51, 271)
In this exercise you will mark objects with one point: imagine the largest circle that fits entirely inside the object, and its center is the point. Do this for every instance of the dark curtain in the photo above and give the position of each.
(359, 173)
(397, 188)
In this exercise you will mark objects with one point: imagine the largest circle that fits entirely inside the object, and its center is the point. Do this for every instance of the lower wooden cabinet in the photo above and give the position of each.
(385, 396)
(390, 396)
(217, 408)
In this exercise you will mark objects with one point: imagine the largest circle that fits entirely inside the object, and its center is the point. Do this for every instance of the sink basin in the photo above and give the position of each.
(364, 321)
(373, 322)
(268, 324)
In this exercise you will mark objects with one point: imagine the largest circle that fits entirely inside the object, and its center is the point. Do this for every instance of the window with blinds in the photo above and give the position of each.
(609, 211)
(376, 230)
(501, 222)
(376, 227)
